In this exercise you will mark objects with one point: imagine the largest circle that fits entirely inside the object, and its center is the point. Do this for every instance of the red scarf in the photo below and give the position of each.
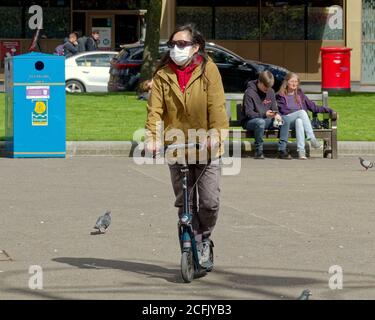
(184, 75)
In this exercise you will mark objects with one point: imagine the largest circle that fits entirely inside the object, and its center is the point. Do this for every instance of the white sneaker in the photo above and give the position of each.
(302, 155)
(205, 252)
(316, 144)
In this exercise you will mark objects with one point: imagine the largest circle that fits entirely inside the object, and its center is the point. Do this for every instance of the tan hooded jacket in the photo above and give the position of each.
(200, 106)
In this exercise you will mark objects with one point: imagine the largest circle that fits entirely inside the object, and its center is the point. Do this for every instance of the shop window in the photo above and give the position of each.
(106, 5)
(11, 22)
(200, 16)
(14, 16)
(264, 19)
(237, 23)
(56, 23)
(126, 29)
(325, 20)
(79, 22)
(59, 3)
(282, 20)
(194, 3)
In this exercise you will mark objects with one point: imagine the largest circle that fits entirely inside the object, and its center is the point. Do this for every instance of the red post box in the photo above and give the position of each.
(335, 68)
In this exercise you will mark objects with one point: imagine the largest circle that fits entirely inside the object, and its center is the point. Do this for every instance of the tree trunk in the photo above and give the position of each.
(151, 48)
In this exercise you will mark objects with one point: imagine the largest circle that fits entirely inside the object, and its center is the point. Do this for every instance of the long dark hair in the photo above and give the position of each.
(196, 38)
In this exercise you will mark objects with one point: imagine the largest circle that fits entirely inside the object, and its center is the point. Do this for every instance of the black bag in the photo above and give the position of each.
(317, 124)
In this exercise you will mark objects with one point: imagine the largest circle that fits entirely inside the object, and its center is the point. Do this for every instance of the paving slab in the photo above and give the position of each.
(282, 226)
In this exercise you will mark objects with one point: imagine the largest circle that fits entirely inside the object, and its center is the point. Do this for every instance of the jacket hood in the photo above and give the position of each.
(253, 85)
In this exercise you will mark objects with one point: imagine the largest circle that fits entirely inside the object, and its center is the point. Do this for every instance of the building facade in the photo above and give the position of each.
(289, 33)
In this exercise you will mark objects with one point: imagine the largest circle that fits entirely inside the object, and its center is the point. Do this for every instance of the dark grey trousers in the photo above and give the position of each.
(204, 200)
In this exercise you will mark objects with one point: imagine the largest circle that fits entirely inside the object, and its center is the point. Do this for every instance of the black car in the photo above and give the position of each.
(235, 71)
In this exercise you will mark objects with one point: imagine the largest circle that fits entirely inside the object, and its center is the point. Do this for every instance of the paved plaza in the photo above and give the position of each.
(282, 225)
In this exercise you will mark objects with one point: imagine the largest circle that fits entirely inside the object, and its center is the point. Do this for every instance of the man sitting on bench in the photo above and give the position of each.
(260, 112)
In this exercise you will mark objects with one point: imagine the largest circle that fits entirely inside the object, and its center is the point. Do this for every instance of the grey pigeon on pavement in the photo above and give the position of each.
(103, 222)
(305, 295)
(365, 163)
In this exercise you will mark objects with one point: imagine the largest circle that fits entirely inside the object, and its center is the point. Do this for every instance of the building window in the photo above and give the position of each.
(56, 22)
(200, 16)
(264, 19)
(237, 23)
(106, 4)
(282, 20)
(325, 20)
(79, 22)
(15, 20)
(11, 22)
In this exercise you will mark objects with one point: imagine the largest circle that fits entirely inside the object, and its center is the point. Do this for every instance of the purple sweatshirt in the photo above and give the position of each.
(256, 103)
(305, 104)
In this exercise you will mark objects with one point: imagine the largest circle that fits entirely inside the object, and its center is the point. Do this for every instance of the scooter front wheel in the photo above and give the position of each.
(187, 266)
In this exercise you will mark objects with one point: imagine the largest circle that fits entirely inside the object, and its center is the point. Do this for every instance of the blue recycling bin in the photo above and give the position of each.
(35, 106)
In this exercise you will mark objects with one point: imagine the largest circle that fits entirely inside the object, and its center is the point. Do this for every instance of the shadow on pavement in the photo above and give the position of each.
(260, 284)
(150, 270)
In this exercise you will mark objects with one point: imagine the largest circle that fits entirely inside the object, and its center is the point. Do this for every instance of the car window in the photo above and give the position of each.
(123, 54)
(139, 54)
(81, 62)
(162, 50)
(218, 56)
(98, 60)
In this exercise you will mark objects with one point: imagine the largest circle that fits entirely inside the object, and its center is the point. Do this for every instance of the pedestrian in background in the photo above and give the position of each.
(92, 42)
(71, 46)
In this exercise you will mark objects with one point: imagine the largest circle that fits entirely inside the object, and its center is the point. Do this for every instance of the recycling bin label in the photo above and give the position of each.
(39, 96)
(37, 92)
(39, 116)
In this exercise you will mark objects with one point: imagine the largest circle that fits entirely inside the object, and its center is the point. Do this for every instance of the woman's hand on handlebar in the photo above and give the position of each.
(212, 143)
(153, 146)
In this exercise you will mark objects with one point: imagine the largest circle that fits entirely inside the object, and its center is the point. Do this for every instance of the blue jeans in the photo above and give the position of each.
(300, 122)
(258, 125)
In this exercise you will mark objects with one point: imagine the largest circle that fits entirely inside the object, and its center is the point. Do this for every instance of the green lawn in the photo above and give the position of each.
(116, 116)
(356, 116)
(95, 117)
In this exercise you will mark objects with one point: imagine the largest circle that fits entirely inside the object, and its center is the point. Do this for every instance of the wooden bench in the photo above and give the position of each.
(328, 135)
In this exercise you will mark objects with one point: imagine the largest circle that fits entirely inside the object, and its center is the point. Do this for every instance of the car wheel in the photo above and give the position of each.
(74, 86)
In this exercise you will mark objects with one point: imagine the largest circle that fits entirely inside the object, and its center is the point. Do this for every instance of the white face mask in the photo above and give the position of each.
(180, 56)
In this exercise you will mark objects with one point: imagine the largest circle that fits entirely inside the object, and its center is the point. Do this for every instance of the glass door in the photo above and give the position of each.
(104, 24)
(368, 42)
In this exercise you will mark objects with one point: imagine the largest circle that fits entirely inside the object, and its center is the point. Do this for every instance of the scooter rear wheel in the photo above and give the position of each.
(187, 266)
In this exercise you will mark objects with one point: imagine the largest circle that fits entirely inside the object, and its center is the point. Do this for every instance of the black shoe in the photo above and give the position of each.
(284, 155)
(259, 155)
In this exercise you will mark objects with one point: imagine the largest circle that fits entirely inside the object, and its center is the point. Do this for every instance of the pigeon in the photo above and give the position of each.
(365, 163)
(305, 295)
(103, 222)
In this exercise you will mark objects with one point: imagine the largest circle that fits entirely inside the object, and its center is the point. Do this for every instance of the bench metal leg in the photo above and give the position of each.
(327, 148)
(334, 143)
